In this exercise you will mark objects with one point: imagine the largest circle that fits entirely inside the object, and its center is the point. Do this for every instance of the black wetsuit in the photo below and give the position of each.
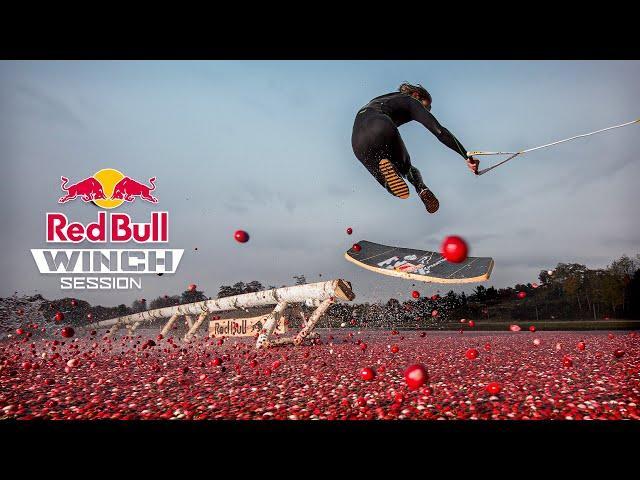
(375, 135)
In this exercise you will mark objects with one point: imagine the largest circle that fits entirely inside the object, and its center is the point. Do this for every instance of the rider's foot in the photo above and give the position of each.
(394, 182)
(430, 201)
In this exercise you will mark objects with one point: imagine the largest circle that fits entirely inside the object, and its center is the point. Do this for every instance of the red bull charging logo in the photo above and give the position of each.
(108, 188)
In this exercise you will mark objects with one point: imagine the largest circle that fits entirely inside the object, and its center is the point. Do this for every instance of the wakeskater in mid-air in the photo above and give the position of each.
(377, 143)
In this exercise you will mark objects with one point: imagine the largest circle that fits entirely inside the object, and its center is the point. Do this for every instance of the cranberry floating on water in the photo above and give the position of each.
(493, 388)
(472, 354)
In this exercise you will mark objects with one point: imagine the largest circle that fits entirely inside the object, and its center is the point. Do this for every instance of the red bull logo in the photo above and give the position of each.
(88, 189)
(101, 267)
(127, 188)
(108, 188)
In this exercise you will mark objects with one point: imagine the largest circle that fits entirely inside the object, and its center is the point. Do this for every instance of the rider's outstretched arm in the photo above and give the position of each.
(422, 115)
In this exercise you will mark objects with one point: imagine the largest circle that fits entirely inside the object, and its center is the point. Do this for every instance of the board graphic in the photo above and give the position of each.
(421, 265)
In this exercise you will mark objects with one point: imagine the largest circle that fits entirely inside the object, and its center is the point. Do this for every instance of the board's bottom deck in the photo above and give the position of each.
(420, 265)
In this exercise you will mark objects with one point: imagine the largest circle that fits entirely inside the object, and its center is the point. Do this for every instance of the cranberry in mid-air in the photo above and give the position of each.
(59, 316)
(367, 374)
(532, 328)
(415, 294)
(349, 231)
(454, 249)
(241, 236)
(67, 332)
(521, 295)
(415, 376)
(472, 323)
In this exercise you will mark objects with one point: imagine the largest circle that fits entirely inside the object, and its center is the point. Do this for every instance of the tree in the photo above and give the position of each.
(479, 293)
(544, 277)
(621, 271)
(191, 296)
(253, 286)
(139, 305)
(166, 301)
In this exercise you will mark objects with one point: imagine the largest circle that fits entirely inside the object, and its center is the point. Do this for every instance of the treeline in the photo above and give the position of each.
(569, 291)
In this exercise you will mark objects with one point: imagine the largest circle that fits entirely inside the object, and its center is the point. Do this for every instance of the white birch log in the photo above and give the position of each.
(270, 325)
(338, 289)
(195, 326)
(169, 324)
(313, 319)
(135, 327)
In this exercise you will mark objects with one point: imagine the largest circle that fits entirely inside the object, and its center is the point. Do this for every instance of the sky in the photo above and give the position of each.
(265, 146)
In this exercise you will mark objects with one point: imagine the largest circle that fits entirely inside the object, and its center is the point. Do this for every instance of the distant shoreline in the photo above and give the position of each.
(543, 325)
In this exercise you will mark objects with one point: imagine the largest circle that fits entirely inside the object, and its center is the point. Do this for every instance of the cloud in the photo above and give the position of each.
(47, 107)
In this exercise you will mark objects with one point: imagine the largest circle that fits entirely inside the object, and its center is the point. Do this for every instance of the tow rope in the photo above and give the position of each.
(515, 154)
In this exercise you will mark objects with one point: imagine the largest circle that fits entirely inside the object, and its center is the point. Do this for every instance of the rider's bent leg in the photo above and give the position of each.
(414, 177)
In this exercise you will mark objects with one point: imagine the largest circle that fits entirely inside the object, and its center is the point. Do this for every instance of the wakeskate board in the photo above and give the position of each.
(421, 265)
